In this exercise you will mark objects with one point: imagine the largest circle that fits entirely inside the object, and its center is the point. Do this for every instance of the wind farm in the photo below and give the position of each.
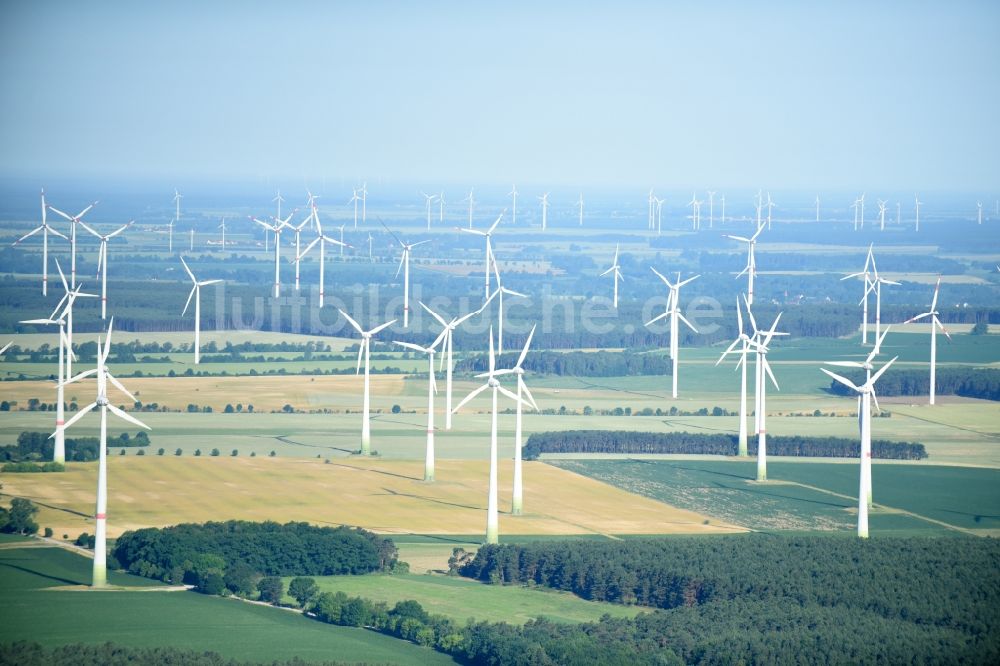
(505, 419)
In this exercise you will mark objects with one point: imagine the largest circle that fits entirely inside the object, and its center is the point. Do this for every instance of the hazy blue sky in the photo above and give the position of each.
(727, 94)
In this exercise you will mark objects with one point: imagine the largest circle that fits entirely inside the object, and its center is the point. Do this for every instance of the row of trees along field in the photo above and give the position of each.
(36, 446)
(27, 653)
(768, 598)
(967, 382)
(580, 364)
(193, 552)
(624, 441)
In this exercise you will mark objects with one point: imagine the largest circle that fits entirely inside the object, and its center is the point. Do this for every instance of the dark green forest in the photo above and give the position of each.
(38, 446)
(625, 441)
(981, 383)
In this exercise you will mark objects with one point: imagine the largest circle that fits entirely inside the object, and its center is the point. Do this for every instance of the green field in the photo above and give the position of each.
(461, 599)
(811, 495)
(36, 609)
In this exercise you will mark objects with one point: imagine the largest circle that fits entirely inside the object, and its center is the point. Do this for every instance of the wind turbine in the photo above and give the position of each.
(472, 202)
(649, 220)
(371, 257)
(492, 517)
(223, 227)
(979, 204)
(861, 202)
(867, 275)
(404, 265)
(854, 207)
(898, 216)
(430, 199)
(722, 219)
(876, 286)
(744, 342)
(759, 204)
(866, 393)
(499, 292)
(517, 500)
(770, 207)
(545, 209)
(364, 349)
(490, 259)
(760, 341)
(71, 294)
(580, 204)
(297, 230)
(674, 312)
(441, 207)
(73, 220)
(364, 203)
(866, 443)
(751, 268)
(354, 200)
(431, 390)
(177, 219)
(196, 294)
(277, 227)
(817, 208)
(659, 214)
(616, 269)
(46, 229)
(711, 208)
(447, 353)
(694, 210)
(279, 199)
(916, 205)
(881, 215)
(60, 315)
(191, 249)
(935, 324)
(102, 260)
(100, 571)
(322, 239)
(513, 193)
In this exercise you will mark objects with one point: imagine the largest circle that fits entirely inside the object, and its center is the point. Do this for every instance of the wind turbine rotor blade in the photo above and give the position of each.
(470, 397)
(89, 229)
(311, 245)
(128, 417)
(190, 296)
(513, 396)
(527, 344)
(76, 417)
(843, 380)
(208, 282)
(918, 317)
(657, 318)
(881, 371)
(846, 364)
(380, 327)
(30, 234)
(351, 321)
(494, 225)
(937, 287)
(660, 275)
(59, 212)
(188, 270)
(402, 260)
(937, 322)
(527, 393)
(689, 324)
(410, 345)
(436, 316)
(361, 351)
(121, 388)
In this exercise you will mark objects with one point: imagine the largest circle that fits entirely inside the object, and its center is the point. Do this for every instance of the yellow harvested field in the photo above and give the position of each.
(266, 393)
(387, 496)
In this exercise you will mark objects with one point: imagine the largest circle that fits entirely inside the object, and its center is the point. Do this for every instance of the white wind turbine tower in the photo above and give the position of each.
(354, 200)
(499, 292)
(711, 208)
(371, 257)
(404, 266)
(102, 260)
(62, 312)
(659, 214)
(759, 204)
(322, 239)
(441, 207)
(898, 215)
(472, 202)
(881, 215)
(866, 393)
(279, 200)
(722, 218)
(866, 443)
(74, 220)
(513, 193)
(430, 200)
(364, 349)
(817, 208)
(674, 312)
(855, 208)
(71, 294)
(490, 259)
(46, 229)
(743, 340)
(935, 324)
(177, 219)
(649, 221)
(867, 275)
(770, 207)
(431, 390)
(100, 571)
(694, 210)
(517, 498)
(760, 341)
(916, 205)
(223, 227)
(751, 268)
(545, 209)
(277, 228)
(448, 352)
(617, 274)
(492, 511)
(979, 204)
(580, 205)
(364, 203)
(297, 230)
(196, 294)
(861, 202)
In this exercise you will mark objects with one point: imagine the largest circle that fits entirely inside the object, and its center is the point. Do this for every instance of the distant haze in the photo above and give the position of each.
(724, 94)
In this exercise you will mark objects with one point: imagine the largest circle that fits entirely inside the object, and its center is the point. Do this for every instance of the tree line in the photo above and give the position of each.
(39, 446)
(983, 383)
(580, 364)
(27, 653)
(630, 442)
(194, 551)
